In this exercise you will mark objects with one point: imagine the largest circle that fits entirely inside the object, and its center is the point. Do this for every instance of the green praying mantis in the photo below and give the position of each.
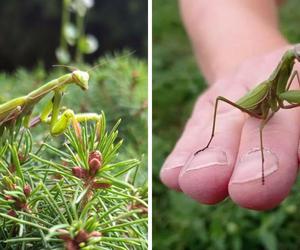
(264, 100)
(21, 107)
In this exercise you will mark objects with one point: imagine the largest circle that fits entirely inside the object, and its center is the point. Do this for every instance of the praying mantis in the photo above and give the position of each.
(20, 107)
(264, 100)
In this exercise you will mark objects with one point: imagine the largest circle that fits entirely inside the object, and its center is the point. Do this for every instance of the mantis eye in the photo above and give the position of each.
(81, 78)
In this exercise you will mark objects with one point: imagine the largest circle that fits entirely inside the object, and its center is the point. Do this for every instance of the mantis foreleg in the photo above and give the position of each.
(62, 122)
(59, 123)
(67, 117)
(47, 111)
(26, 121)
(291, 96)
(56, 107)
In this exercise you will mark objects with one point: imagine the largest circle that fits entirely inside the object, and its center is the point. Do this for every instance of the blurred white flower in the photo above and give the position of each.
(81, 6)
(88, 3)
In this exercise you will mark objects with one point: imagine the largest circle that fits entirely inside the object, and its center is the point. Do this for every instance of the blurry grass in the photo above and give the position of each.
(178, 222)
(118, 87)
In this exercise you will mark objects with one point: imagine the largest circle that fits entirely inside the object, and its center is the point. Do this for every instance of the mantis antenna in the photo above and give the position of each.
(65, 66)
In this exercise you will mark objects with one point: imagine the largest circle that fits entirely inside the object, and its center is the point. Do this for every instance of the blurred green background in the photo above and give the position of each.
(30, 30)
(30, 33)
(179, 222)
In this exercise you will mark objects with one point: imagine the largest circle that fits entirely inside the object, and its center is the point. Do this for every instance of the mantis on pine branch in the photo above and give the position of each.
(264, 100)
(22, 106)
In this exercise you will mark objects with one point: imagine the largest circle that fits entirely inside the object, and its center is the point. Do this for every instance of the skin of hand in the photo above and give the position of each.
(232, 164)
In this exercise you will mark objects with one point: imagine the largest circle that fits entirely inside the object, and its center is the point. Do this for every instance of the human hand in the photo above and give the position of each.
(232, 164)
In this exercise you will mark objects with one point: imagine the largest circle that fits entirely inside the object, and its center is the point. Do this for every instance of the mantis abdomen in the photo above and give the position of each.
(11, 105)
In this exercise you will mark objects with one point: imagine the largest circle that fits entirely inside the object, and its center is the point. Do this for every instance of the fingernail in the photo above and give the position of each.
(207, 158)
(249, 167)
(176, 160)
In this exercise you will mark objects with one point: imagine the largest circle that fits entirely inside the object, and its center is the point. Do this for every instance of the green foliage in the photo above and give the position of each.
(180, 223)
(45, 202)
(52, 193)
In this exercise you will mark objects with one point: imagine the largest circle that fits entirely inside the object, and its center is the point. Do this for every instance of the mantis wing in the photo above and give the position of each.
(254, 96)
(7, 107)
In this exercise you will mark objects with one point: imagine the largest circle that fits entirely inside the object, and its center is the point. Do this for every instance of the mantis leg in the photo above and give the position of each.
(67, 117)
(57, 124)
(62, 122)
(292, 97)
(294, 74)
(44, 116)
(55, 107)
(221, 98)
(262, 125)
(289, 106)
(26, 121)
(47, 110)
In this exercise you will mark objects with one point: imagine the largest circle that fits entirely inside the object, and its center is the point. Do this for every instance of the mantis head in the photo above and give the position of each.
(81, 78)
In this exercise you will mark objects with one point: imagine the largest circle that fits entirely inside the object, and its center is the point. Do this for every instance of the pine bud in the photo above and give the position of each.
(82, 236)
(27, 190)
(71, 245)
(21, 157)
(64, 235)
(79, 172)
(12, 213)
(95, 155)
(8, 197)
(94, 165)
(95, 162)
(95, 234)
(21, 205)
